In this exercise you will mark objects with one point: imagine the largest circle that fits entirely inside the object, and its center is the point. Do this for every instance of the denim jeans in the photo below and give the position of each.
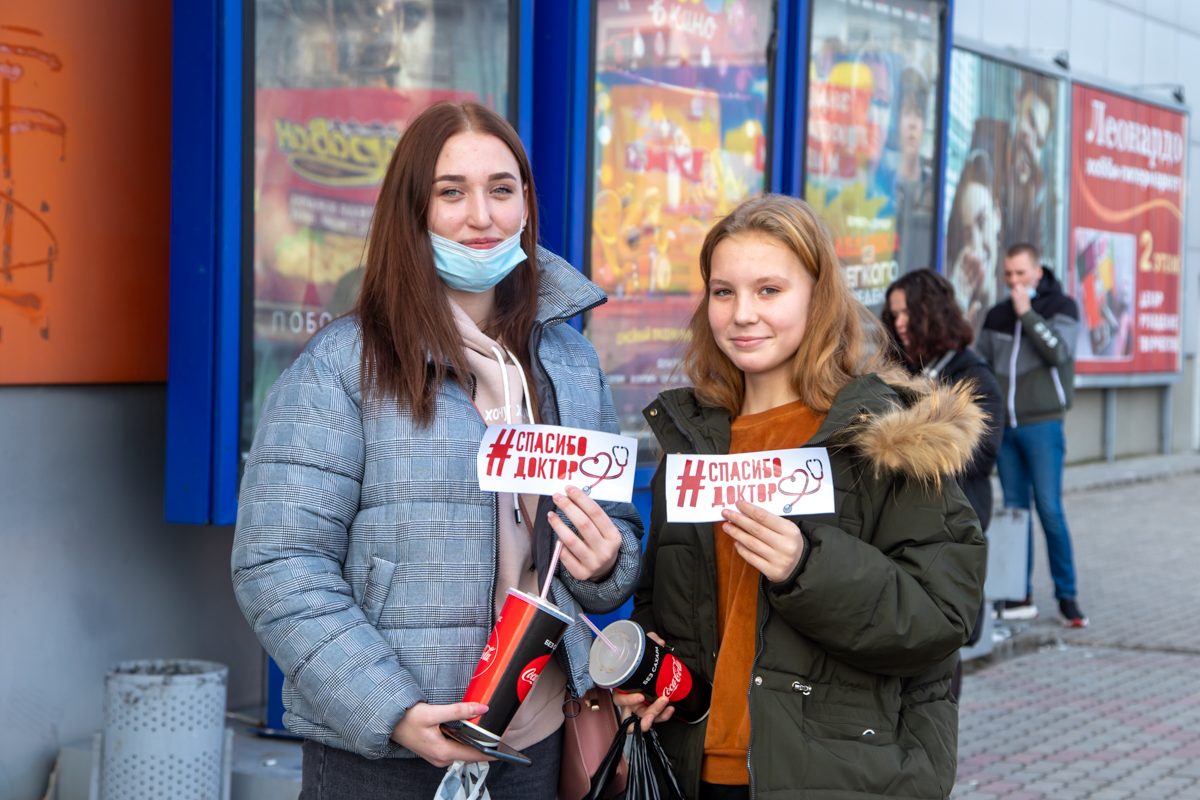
(1031, 458)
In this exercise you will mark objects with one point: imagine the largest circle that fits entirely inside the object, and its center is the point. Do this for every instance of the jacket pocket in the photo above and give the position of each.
(379, 586)
(837, 719)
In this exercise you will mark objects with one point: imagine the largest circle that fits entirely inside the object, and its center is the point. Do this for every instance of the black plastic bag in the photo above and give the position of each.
(648, 766)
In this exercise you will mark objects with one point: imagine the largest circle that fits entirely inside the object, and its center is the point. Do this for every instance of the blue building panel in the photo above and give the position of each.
(194, 206)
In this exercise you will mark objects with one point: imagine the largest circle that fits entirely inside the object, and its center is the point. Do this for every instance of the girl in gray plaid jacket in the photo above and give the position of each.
(367, 559)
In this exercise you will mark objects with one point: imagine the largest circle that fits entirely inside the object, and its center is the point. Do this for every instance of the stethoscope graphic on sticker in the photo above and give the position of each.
(813, 475)
(614, 460)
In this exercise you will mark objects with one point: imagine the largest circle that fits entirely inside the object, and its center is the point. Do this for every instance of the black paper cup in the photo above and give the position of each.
(645, 667)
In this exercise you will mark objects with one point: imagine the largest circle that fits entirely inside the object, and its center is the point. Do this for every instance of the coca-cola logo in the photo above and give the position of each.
(529, 675)
(488, 657)
(674, 680)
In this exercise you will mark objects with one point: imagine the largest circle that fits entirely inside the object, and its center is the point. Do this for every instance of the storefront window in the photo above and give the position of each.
(870, 160)
(1004, 174)
(336, 83)
(678, 140)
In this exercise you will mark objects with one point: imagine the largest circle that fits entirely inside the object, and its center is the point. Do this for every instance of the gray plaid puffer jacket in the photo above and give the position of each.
(365, 553)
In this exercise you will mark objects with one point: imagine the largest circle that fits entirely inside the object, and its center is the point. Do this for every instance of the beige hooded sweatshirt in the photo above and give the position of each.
(500, 387)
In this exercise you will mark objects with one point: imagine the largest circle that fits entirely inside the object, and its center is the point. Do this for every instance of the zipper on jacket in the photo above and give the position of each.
(495, 563)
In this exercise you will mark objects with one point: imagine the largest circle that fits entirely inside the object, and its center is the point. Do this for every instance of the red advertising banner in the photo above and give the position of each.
(1126, 245)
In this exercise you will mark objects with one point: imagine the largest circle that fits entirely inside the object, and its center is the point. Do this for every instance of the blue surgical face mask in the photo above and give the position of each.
(470, 270)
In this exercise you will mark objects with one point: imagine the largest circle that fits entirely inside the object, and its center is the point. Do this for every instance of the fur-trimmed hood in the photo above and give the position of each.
(930, 434)
(899, 424)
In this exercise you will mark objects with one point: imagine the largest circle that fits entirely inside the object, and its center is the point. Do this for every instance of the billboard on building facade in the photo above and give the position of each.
(1126, 233)
(1005, 153)
(678, 140)
(870, 157)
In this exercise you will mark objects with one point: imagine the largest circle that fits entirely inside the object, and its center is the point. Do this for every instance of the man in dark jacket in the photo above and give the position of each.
(1029, 340)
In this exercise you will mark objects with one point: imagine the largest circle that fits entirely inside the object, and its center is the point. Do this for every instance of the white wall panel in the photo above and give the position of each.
(1135, 5)
(1189, 74)
(968, 19)
(1165, 10)
(1189, 15)
(1126, 40)
(1161, 57)
(1089, 36)
(1049, 27)
(1006, 23)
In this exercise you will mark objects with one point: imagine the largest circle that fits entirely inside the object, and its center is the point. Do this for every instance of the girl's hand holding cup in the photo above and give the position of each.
(658, 711)
(591, 554)
(769, 543)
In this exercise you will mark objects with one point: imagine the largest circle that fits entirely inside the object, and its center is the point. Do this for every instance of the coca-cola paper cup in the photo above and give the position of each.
(643, 666)
(526, 634)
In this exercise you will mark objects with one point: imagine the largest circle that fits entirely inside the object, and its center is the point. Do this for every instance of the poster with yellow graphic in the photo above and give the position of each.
(871, 136)
(679, 139)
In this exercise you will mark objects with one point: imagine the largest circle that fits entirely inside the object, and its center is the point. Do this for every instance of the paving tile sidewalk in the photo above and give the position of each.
(1111, 711)
(1068, 723)
(1137, 557)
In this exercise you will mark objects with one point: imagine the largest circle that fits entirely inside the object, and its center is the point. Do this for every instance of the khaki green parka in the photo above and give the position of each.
(850, 689)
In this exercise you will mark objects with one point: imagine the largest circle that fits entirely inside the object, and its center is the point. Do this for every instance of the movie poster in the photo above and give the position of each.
(679, 131)
(872, 134)
(1005, 158)
(1126, 245)
(327, 119)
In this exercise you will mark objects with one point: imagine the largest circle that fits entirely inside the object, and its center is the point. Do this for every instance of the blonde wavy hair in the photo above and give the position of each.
(842, 339)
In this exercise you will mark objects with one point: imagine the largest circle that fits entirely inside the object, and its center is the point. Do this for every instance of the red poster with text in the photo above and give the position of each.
(1127, 187)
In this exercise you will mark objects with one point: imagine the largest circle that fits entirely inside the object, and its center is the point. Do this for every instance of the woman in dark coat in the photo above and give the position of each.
(928, 327)
(932, 335)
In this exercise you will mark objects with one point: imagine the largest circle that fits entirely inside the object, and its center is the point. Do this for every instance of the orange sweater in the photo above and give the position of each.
(728, 735)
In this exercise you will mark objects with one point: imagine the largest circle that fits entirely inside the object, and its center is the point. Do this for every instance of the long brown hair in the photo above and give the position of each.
(411, 343)
(935, 322)
(841, 339)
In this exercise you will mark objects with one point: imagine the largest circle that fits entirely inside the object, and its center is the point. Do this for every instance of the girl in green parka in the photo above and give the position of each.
(830, 639)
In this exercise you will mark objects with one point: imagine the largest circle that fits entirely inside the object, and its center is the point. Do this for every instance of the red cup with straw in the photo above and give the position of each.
(526, 634)
(523, 640)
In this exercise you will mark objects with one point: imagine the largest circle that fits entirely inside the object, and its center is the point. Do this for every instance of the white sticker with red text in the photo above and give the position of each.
(784, 482)
(544, 459)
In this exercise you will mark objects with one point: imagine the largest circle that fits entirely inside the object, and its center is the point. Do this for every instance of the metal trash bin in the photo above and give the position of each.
(164, 731)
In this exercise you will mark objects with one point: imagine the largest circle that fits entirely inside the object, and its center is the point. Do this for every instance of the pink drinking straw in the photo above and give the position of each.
(596, 630)
(553, 566)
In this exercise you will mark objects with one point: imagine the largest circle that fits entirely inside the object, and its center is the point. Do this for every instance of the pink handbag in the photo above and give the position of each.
(587, 736)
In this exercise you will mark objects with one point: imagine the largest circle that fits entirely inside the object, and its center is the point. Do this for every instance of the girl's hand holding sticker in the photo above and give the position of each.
(635, 704)
(590, 554)
(771, 544)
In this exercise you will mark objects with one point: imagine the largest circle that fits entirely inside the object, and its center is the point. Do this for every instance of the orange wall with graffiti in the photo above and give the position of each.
(85, 144)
